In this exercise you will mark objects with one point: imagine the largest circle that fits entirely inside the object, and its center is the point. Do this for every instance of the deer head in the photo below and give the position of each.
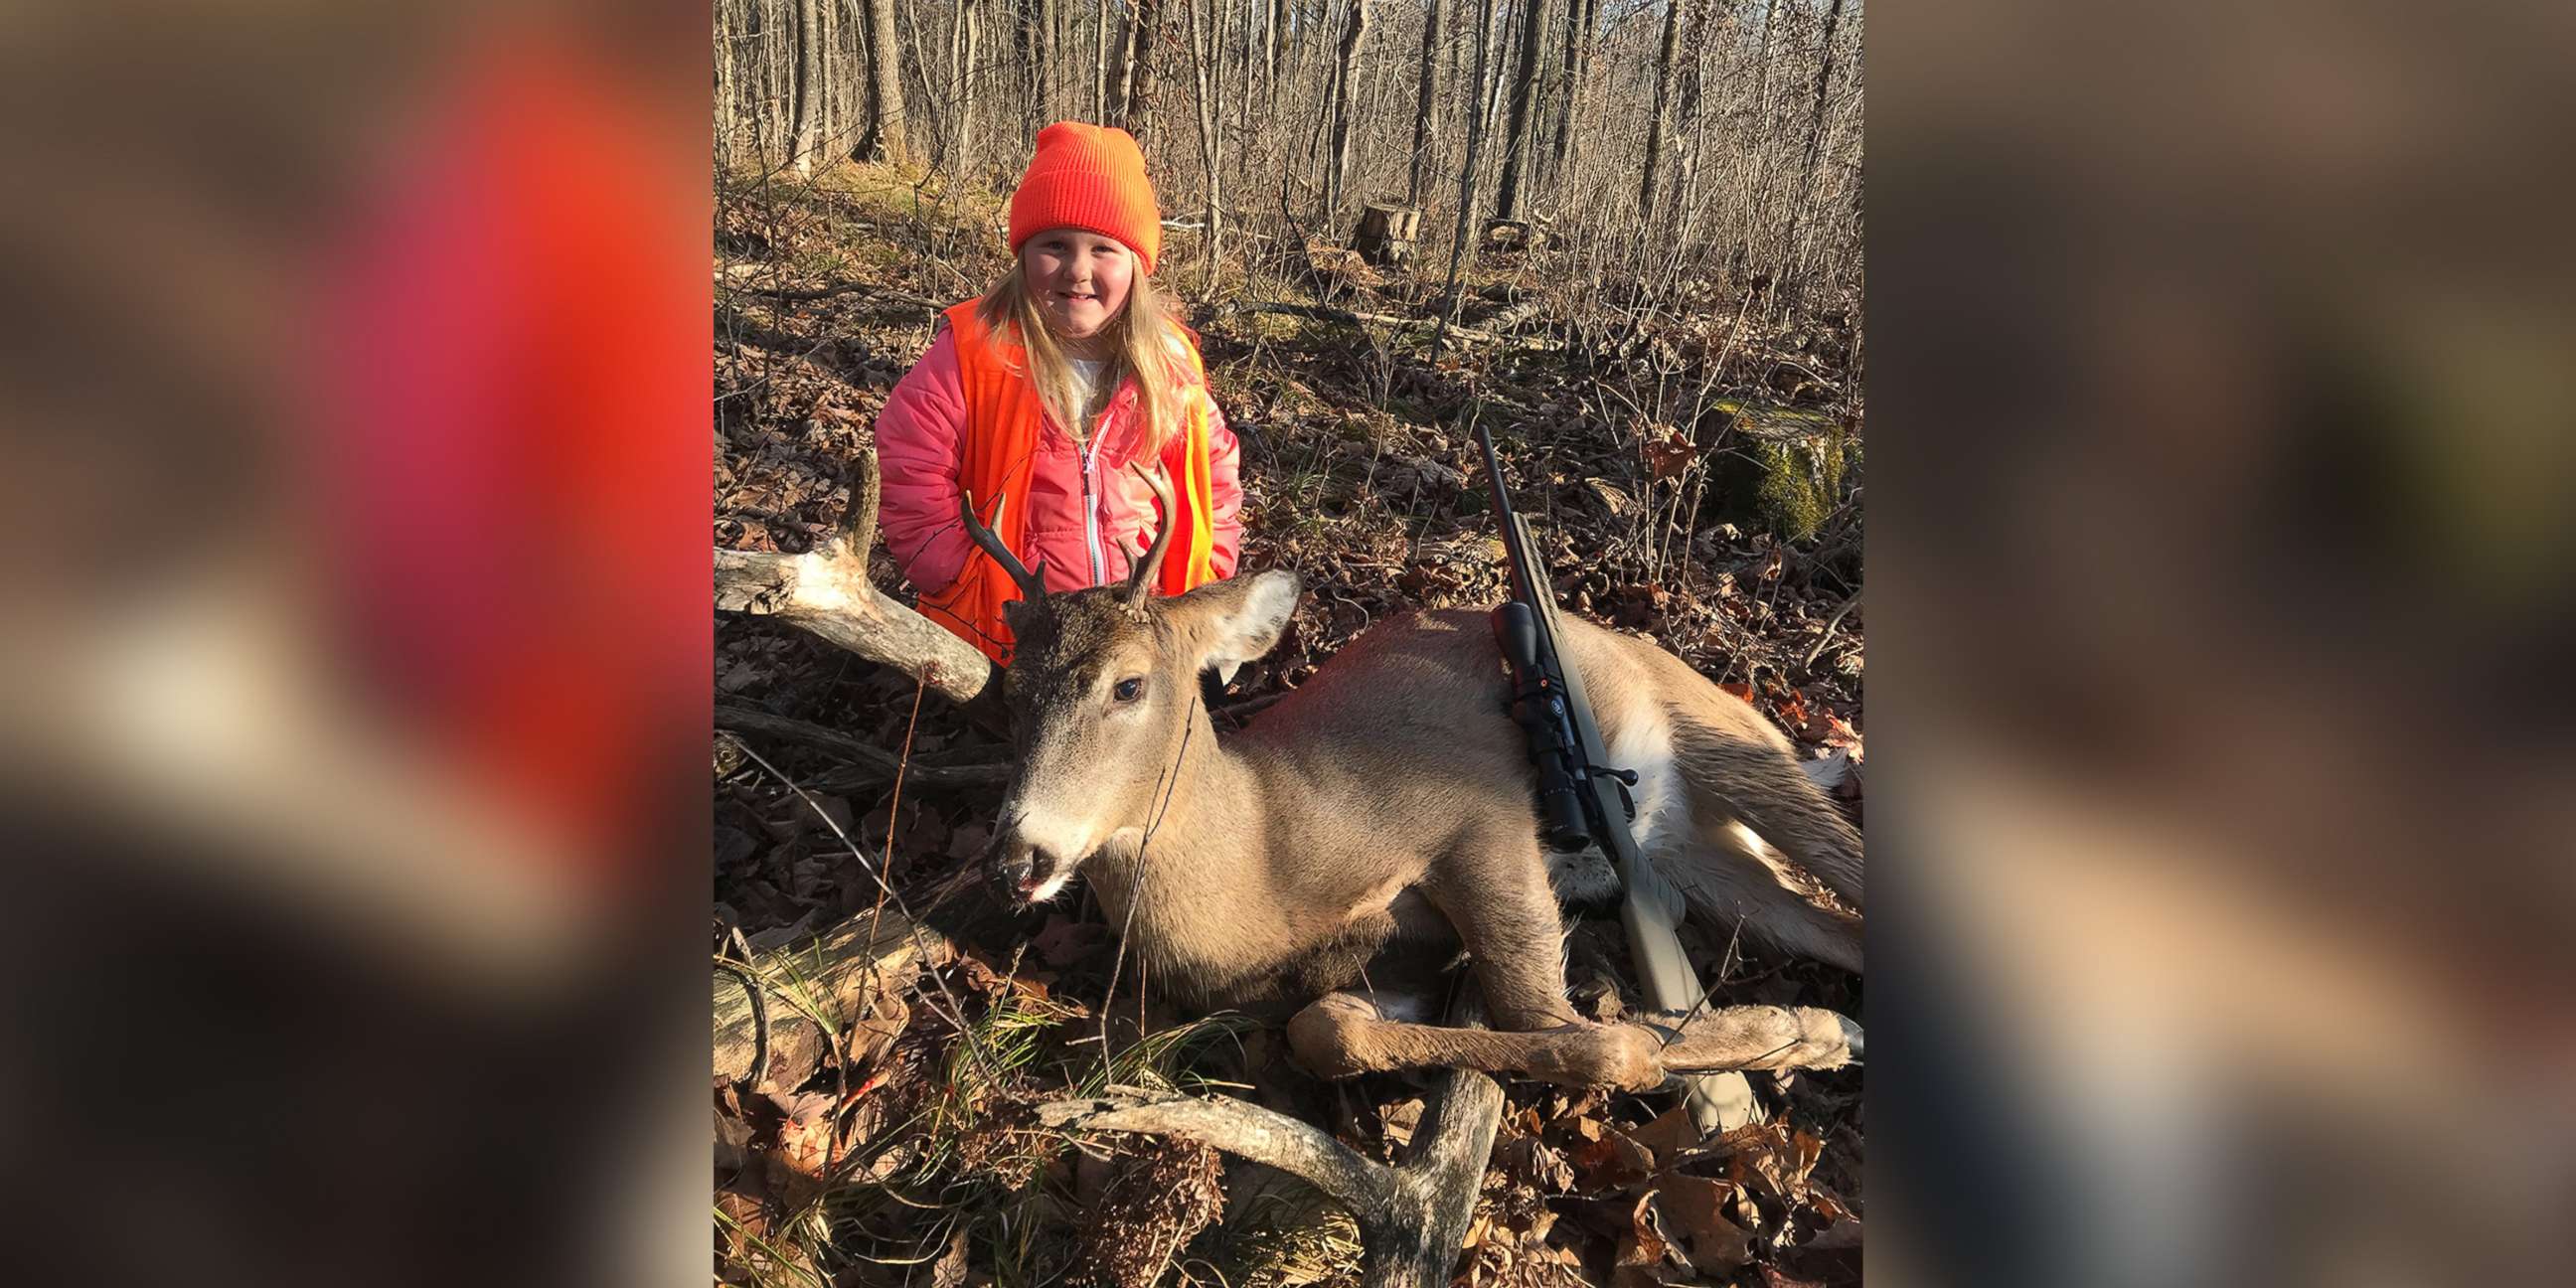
(1103, 697)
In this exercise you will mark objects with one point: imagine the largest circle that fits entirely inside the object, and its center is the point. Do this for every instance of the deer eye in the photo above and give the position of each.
(1129, 689)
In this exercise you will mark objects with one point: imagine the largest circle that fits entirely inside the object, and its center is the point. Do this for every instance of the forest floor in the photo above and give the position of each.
(1693, 478)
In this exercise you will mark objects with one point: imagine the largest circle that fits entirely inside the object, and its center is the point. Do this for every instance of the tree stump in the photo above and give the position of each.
(1387, 233)
(1506, 236)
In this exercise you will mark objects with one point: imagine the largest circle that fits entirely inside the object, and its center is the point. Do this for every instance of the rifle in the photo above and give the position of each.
(1584, 801)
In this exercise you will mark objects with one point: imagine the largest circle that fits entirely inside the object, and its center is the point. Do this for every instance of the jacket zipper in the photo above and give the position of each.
(1090, 507)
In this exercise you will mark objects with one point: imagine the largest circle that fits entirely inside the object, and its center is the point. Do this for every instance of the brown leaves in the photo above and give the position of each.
(950, 1270)
(1670, 1206)
(1615, 1161)
(1793, 710)
(1065, 942)
(1773, 1156)
(1669, 452)
(781, 1146)
(1159, 1198)
(1695, 1209)
(1533, 1162)
(1643, 1249)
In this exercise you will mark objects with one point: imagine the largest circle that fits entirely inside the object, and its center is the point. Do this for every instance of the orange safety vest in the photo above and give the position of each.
(1003, 415)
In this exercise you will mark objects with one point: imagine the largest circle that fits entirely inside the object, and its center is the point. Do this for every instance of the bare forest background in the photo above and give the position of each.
(1624, 236)
(1659, 144)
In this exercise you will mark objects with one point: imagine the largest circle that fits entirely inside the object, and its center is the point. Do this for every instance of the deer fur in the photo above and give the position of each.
(1378, 819)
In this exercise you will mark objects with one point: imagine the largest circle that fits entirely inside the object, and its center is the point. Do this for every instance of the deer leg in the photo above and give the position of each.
(1755, 1037)
(1495, 893)
(1343, 1035)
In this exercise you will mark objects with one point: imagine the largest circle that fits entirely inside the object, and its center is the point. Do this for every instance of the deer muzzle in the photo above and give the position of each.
(1023, 872)
(1038, 842)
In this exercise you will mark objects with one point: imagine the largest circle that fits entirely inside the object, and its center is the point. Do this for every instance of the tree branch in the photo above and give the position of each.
(827, 593)
(1244, 1130)
(1413, 1217)
(874, 763)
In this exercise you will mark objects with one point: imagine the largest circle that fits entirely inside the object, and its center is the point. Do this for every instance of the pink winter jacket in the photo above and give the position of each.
(917, 451)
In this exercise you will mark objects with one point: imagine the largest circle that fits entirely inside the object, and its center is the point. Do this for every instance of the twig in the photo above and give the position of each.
(956, 1009)
(807, 295)
(1809, 665)
(753, 988)
(872, 761)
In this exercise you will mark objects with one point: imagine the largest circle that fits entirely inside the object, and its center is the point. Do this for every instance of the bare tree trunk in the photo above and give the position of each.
(1037, 45)
(1100, 63)
(1466, 181)
(1661, 113)
(728, 119)
(828, 133)
(1815, 133)
(963, 33)
(1204, 42)
(886, 75)
(1140, 92)
(1354, 31)
(809, 89)
(1418, 182)
(1516, 143)
(1132, 75)
(1695, 45)
(1253, 14)
(1277, 36)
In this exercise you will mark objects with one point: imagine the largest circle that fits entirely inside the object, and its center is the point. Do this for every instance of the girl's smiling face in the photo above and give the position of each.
(1079, 278)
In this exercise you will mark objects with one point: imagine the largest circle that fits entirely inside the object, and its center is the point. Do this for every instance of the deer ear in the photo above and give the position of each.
(1232, 622)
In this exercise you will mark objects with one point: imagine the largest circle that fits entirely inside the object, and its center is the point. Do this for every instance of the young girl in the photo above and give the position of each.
(1038, 398)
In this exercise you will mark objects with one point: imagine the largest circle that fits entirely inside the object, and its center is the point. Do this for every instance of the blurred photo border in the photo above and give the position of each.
(358, 649)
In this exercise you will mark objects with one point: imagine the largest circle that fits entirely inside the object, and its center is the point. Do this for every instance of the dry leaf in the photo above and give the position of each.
(950, 1270)
(800, 1149)
(1535, 1163)
(1826, 728)
(1694, 1209)
(1643, 1249)
(1670, 1134)
(1612, 1162)
(1793, 711)
(1064, 941)
(1669, 453)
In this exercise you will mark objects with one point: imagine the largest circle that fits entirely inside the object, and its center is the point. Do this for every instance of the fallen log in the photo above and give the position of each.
(810, 294)
(850, 978)
(1347, 317)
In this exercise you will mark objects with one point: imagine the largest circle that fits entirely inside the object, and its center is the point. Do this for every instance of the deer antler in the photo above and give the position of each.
(1032, 587)
(1141, 577)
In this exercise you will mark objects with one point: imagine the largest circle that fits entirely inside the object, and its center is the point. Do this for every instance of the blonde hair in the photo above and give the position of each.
(1144, 339)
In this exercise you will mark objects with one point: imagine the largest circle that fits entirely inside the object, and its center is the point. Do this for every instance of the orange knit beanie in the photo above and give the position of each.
(1088, 176)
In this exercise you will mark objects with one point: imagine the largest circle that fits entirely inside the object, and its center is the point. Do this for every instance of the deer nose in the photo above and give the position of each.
(1019, 869)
